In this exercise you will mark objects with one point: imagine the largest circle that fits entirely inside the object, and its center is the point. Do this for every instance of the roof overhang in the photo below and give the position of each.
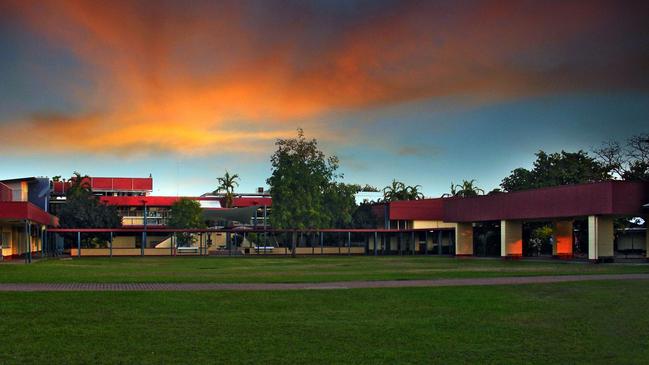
(26, 211)
(605, 198)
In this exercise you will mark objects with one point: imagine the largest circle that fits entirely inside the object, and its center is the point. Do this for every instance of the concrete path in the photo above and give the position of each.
(33, 287)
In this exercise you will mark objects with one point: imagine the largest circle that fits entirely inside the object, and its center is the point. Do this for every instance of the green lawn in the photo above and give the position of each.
(589, 323)
(286, 269)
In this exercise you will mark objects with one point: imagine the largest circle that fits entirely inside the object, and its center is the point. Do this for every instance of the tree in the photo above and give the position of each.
(340, 203)
(367, 188)
(627, 163)
(79, 184)
(397, 190)
(226, 185)
(84, 210)
(466, 189)
(301, 174)
(363, 216)
(557, 169)
(186, 214)
(540, 237)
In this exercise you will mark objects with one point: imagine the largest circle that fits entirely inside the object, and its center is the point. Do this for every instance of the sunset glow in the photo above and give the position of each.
(214, 78)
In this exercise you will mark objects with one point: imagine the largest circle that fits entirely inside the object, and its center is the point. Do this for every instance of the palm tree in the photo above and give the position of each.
(466, 189)
(393, 191)
(399, 191)
(226, 185)
(413, 193)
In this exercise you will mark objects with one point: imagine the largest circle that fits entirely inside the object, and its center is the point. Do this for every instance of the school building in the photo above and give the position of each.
(582, 218)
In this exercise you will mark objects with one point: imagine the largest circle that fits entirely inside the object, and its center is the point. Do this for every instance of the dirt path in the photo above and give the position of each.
(31, 287)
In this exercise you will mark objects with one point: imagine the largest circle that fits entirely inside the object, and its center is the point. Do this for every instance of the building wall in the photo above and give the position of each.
(432, 224)
(7, 237)
(15, 234)
(20, 191)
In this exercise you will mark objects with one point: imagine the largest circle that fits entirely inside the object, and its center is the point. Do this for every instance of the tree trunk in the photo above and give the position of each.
(293, 243)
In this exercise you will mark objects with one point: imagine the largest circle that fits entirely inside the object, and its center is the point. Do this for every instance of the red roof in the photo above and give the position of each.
(138, 184)
(604, 198)
(424, 209)
(26, 210)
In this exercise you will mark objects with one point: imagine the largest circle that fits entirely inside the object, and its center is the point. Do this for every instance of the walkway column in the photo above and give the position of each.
(646, 241)
(463, 239)
(511, 238)
(562, 237)
(600, 237)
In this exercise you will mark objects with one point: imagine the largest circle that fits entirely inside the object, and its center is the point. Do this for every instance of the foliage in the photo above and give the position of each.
(400, 191)
(227, 184)
(630, 162)
(466, 189)
(340, 203)
(556, 169)
(367, 188)
(79, 185)
(186, 214)
(300, 179)
(364, 217)
(84, 210)
(540, 237)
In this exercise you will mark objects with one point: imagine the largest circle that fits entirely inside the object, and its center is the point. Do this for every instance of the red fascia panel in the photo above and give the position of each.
(250, 201)
(141, 184)
(110, 184)
(423, 209)
(605, 198)
(60, 187)
(28, 211)
(132, 184)
(628, 198)
(101, 183)
(139, 201)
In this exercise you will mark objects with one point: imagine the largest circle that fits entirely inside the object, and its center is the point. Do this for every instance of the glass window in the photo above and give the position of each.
(5, 240)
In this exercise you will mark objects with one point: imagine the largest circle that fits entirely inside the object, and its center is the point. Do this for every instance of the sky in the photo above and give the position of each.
(427, 92)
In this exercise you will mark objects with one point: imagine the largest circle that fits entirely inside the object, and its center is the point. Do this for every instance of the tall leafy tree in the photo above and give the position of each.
(84, 210)
(557, 169)
(186, 214)
(340, 203)
(227, 183)
(301, 176)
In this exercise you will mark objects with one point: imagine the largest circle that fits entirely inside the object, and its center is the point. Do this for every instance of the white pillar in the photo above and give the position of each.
(511, 238)
(463, 239)
(600, 237)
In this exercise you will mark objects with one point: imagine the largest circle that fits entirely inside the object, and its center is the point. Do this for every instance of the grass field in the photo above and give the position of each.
(594, 323)
(285, 269)
(600, 322)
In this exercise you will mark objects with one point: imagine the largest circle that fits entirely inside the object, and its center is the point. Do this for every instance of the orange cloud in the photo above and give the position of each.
(167, 76)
